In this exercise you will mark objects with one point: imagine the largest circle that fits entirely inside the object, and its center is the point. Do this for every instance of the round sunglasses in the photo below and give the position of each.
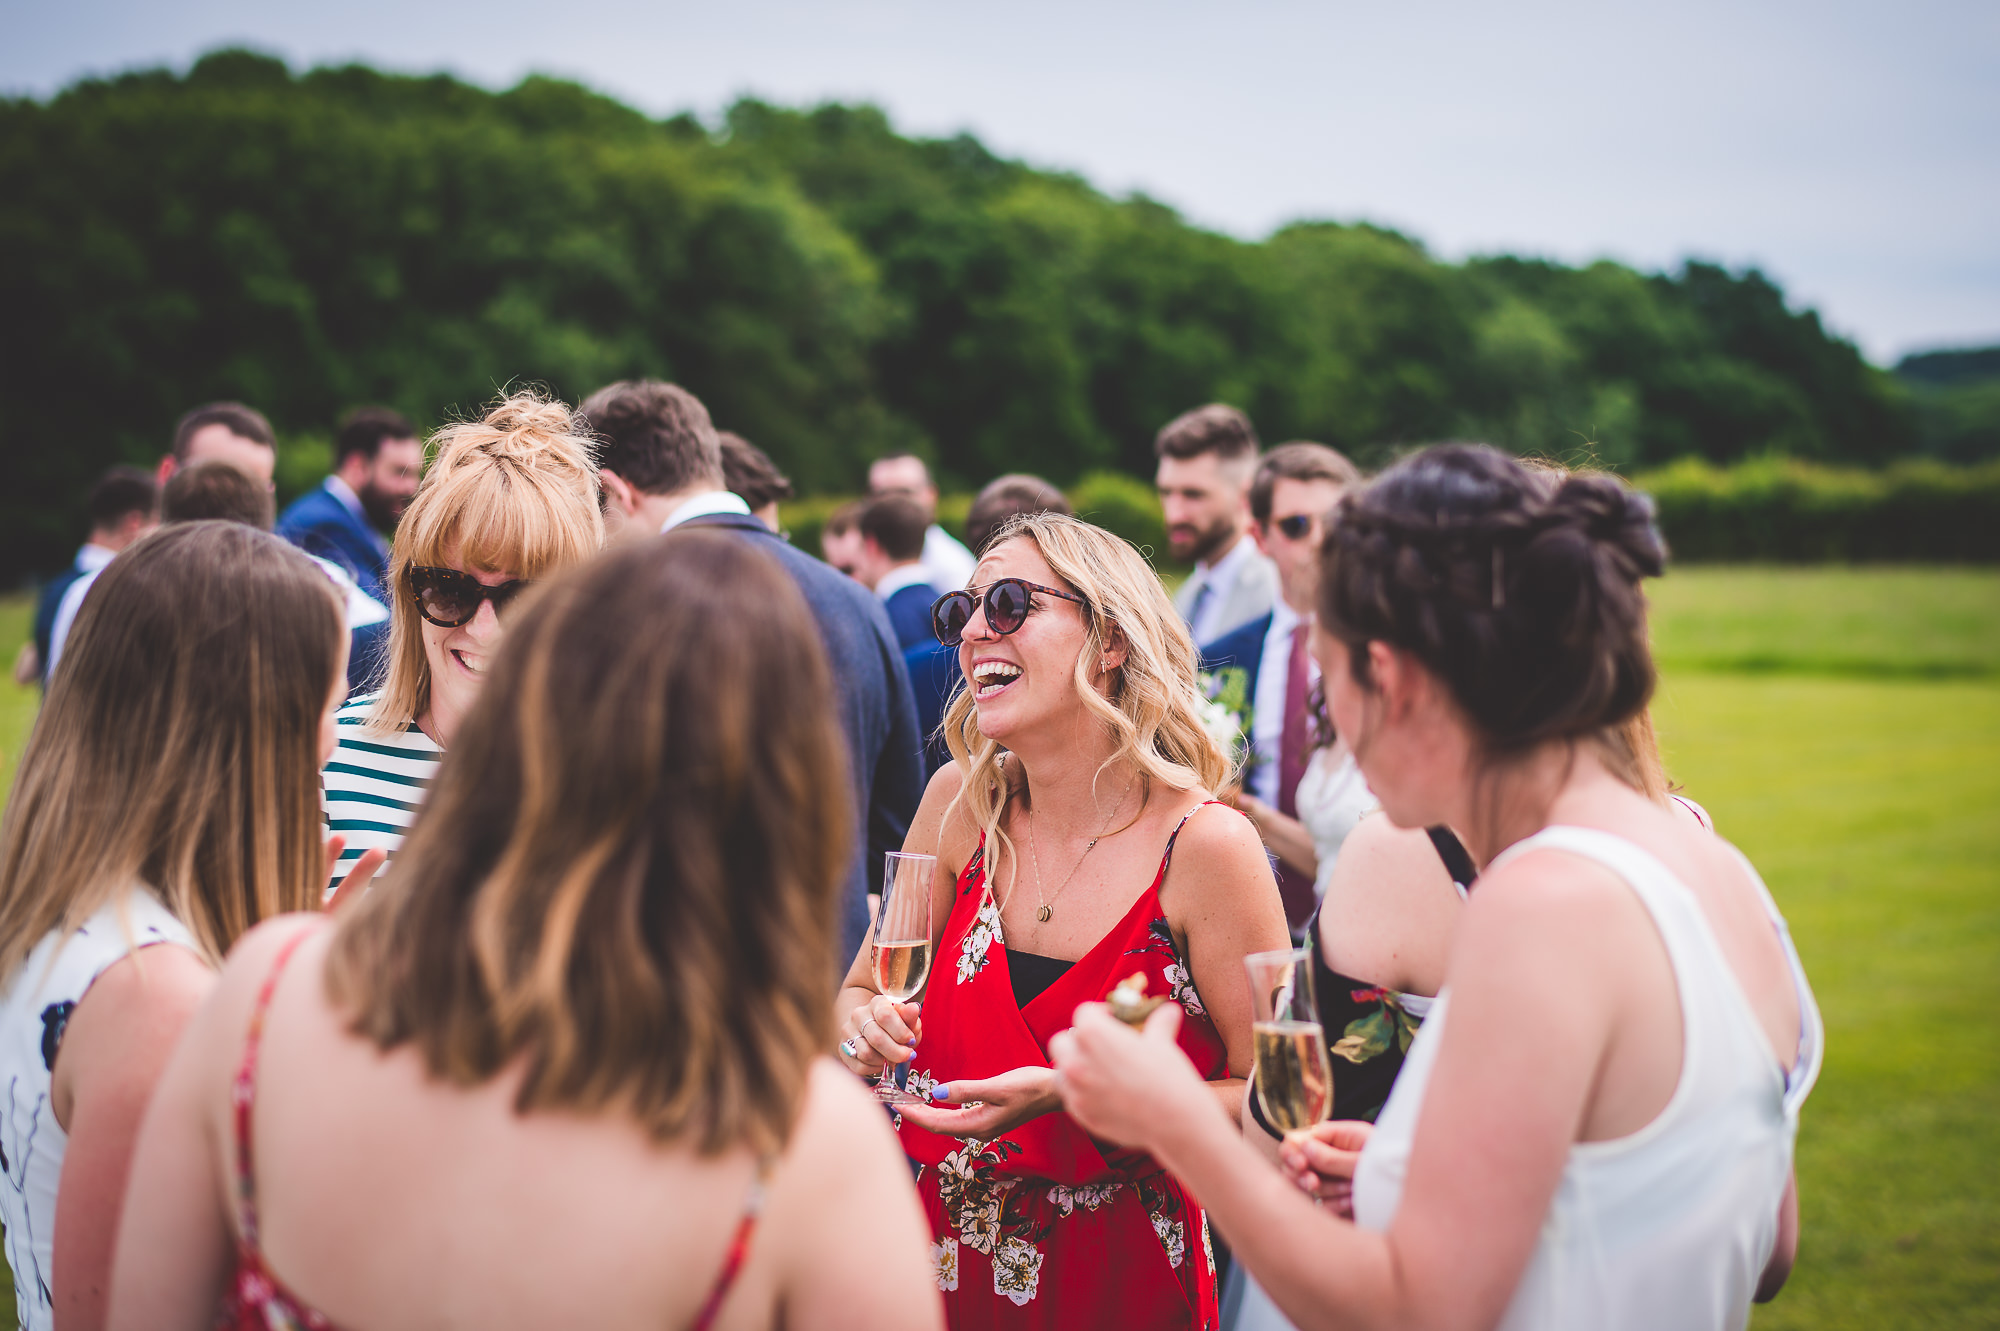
(1007, 602)
(449, 598)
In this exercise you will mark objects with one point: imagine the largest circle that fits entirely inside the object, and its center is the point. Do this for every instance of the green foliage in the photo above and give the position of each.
(1783, 509)
(1124, 506)
(1957, 399)
(307, 241)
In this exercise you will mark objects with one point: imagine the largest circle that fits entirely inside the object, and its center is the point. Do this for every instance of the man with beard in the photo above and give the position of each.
(1207, 459)
(348, 519)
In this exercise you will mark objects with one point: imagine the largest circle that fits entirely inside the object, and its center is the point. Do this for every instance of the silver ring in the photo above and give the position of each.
(847, 1047)
(864, 1028)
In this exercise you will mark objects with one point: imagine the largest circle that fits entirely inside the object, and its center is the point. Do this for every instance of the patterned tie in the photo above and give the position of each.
(1293, 750)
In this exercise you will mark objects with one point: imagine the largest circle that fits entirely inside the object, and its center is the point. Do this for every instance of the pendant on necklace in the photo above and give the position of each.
(1042, 913)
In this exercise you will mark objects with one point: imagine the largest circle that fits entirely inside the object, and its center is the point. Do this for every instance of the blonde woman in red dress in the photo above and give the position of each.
(1077, 844)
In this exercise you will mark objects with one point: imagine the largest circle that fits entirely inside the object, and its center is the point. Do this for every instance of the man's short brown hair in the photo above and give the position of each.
(1005, 497)
(363, 429)
(844, 519)
(119, 493)
(1215, 428)
(749, 473)
(216, 490)
(1298, 461)
(657, 436)
(241, 420)
(897, 523)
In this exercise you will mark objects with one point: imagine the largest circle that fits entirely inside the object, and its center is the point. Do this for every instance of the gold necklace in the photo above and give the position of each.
(1044, 908)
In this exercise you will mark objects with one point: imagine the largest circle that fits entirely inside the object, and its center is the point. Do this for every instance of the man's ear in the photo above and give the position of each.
(618, 491)
(1258, 535)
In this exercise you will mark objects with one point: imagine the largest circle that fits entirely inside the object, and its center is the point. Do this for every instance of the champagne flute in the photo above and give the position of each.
(1292, 1075)
(902, 945)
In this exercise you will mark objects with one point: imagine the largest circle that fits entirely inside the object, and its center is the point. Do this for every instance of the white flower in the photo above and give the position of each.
(920, 1083)
(1180, 987)
(979, 1224)
(1017, 1270)
(1220, 723)
(1207, 1248)
(944, 1263)
(979, 939)
(1172, 1238)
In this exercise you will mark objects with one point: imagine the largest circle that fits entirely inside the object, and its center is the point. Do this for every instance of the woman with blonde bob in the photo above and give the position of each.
(168, 801)
(567, 1067)
(1075, 849)
(506, 500)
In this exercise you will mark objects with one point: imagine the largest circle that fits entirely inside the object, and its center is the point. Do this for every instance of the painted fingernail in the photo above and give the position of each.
(941, 1091)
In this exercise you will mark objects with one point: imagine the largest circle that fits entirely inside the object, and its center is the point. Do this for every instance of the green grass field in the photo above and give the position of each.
(1843, 726)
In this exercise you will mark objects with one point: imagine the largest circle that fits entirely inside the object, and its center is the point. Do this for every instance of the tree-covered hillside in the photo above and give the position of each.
(833, 289)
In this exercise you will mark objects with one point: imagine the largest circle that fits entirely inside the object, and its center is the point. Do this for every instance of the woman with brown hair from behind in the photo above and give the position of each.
(567, 1067)
(169, 795)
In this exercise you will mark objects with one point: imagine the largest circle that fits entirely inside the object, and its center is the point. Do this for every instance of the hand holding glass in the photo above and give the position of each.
(1292, 1076)
(902, 942)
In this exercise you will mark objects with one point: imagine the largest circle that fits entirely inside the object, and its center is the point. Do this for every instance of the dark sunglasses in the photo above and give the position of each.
(1007, 603)
(1296, 527)
(448, 598)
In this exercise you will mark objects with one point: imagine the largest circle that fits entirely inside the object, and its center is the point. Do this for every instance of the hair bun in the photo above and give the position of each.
(1612, 514)
(523, 430)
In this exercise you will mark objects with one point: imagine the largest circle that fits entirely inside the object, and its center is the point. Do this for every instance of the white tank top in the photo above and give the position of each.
(1670, 1227)
(35, 1006)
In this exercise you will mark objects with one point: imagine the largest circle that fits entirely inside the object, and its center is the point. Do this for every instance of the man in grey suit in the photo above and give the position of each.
(1207, 459)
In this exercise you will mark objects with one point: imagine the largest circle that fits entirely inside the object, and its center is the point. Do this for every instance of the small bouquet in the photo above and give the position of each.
(1224, 705)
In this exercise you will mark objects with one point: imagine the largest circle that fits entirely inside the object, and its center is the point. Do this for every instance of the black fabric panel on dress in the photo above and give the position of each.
(1367, 1030)
(1031, 974)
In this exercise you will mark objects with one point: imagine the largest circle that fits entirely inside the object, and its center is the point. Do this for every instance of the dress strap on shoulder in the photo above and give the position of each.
(1168, 857)
(245, 1093)
(739, 1248)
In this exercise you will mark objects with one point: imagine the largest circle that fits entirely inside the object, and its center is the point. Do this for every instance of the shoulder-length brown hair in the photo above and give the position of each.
(514, 491)
(625, 877)
(179, 743)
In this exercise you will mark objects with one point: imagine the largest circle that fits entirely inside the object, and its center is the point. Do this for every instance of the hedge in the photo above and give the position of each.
(1784, 510)
(1771, 509)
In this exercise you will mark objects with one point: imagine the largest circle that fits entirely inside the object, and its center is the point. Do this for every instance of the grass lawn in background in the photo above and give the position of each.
(1843, 725)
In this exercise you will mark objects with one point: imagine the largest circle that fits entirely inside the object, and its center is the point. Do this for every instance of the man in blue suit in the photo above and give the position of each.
(1265, 665)
(348, 519)
(660, 464)
(123, 506)
(889, 561)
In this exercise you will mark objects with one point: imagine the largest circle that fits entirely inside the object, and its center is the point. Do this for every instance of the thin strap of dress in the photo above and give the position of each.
(1457, 859)
(1168, 858)
(739, 1249)
(245, 1095)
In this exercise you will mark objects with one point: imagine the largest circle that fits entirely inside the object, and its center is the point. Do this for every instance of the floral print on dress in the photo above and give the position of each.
(979, 941)
(1371, 1034)
(1172, 1237)
(921, 1083)
(1173, 967)
(1089, 1196)
(944, 1264)
(972, 1192)
(1017, 1270)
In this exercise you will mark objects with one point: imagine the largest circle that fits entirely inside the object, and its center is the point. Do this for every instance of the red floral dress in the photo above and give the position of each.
(1046, 1226)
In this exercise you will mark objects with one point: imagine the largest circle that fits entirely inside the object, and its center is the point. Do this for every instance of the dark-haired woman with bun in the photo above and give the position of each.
(567, 1068)
(1595, 1125)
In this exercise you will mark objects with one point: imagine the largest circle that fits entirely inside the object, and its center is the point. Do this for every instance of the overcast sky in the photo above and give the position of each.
(1852, 151)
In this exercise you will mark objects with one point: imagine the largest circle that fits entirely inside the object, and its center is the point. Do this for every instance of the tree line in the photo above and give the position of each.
(834, 290)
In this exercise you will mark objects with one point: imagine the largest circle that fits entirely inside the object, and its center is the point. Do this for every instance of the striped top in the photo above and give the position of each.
(371, 788)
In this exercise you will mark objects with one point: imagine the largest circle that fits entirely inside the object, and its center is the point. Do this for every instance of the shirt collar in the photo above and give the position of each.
(701, 505)
(1283, 618)
(93, 557)
(901, 576)
(1223, 569)
(349, 500)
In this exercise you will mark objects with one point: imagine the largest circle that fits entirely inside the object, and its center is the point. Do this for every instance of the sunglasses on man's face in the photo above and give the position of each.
(449, 598)
(1296, 527)
(1006, 601)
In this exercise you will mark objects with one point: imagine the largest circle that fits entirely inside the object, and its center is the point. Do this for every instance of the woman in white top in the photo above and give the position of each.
(506, 500)
(169, 796)
(1595, 1125)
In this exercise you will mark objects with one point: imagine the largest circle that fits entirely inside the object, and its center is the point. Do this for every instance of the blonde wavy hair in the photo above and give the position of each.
(1153, 711)
(516, 490)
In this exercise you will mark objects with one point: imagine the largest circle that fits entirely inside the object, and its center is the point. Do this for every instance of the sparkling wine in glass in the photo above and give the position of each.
(902, 944)
(1292, 1076)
